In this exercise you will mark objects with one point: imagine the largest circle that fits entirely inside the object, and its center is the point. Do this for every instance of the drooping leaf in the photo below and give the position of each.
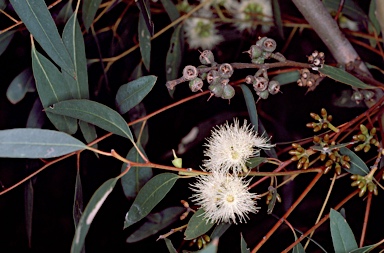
(94, 113)
(156, 222)
(171, 9)
(37, 143)
(298, 247)
(74, 42)
(36, 117)
(277, 17)
(344, 77)
(140, 132)
(255, 161)
(288, 77)
(174, 55)
(5, 39)
(272, 202)
(64, 14)
(89, 11)
(28, 209)
(149, 196)
(88, 131)
(20, 85)
(350, 9)
(358, 166)
(197, 225)
(220, 229)
(170, 247)
(136, 177)
(52, 89)
(90, 212)
(132, 93)
(372, 16)
(78, 204)
(251, 106)
(365, 249)
(39, 22)
(342, 236)
(144, 35)
(243, 245)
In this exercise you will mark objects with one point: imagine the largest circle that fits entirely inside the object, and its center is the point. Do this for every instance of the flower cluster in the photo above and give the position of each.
(223, 194)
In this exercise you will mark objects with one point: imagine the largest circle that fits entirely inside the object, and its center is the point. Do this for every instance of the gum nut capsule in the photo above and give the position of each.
(264, 94)
(273, 87)
(260, 84)
(249, 79)
(260, 42)
(357, 96)
(196, 84)
(225, 70)
(190, 72)
(269, 45)
(213, 77)
(216, 89)
(228, 92)
(206, 57)
(254, 51)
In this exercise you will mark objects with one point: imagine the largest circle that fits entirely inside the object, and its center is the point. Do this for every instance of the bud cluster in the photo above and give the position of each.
(360, 95)
(316, 59)
(218, 81)
(324, 121)
(364, 183)
(300, 154)
(262, 85)
(263, 49)
(367, 137)
(200, 241)
(308, 79)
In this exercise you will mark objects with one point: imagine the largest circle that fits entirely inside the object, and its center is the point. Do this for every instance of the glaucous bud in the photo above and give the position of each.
(196, 84)
(206, 57)
(260, 84)
(225, 70)
(228, 92)
(273, 87)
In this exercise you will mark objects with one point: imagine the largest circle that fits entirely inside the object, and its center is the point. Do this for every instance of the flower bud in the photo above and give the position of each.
(216, 89)
(249, 79)
(206, 57)
(196, 84)
(190, 72)
(213, 77)
(177, 162)
(228, 92)
(255, 52)
(260, 84)
(225, 70)
(263, 94)
(273, 87)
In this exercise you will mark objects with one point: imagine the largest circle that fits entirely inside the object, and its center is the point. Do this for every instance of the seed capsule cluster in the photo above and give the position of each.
(263, 49)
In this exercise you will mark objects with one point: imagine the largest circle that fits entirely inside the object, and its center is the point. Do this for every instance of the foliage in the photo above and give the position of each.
(116, 78)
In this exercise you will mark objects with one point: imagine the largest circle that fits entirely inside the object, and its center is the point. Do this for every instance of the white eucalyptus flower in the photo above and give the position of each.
(224, 198)
(231, 146)
(201, 32)
(251, 12)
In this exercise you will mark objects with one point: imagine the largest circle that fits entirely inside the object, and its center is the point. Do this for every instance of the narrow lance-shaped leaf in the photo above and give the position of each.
(37, 143)
(90, 212)
(20, 85)
(350, 9)
(251, 106)
(39, 22)
(170, 246)
(78, 204)
(277, 17)
(298, 247)
(171, 9)
(136, 177)
(89, 11)
(144, 37)
(36, 117)
(288, 77)
(28, 209)
(220, 229)
(243, 245)
(132, 93)
(5, 39)
(342, 236)
(197, 225)
(94, 113)
(358, 166)
(149, 196)
(52, 89)
(174, 55)
(344, 77)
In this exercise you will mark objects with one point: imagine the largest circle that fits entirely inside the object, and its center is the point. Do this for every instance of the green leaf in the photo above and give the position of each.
(261, 130)
(52, 89)
(243, 245)
(90, 212)
(211, 248)
(139, 132)
(272, 202)
(132, 93)
(171, 9)
(358, 166)
(64, 14)
(344, 77)
(5, 39)
(74, 42)
(220, 229)
(78, 204)
(365, 249)
(2, 4)
(39, 22)
(149, 196)
(28, 209)
(94, 113)
(170, 247)
(37, 143)
(298, 247)
(174, 55)
(136, 177)
(88, 131)
(372, 16)
(20, 85)
(89, 11)
(255, 161)
(251, 105)
(288, 77)
(144, 37)
(277, 17)
(156, 222)
(342, 236)
(197, 225)
(36, 117)
(350, 9)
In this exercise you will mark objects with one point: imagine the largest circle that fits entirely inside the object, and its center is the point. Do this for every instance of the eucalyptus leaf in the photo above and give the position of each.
(149, 196)
(344, 77)
(171, 9)
(5, 39)
(136, 177)
(277, 17)
(342, 236)
(144, 34)
(243, 245)
(350, 9)
(220, 229)
(20, 85)
(39, 22)
(89, 11)
(251, 106)
(94, 113)
(298, 247)
(28, 209)
(132, 93)
(156, 222)
(64, 14)
(372, 16)
(261, 130)
(93, 206)
(358, 166)
(170, 247)
(36, 117)
(174, 55)
(51, 89)
(78, 204)
(197, 225)
(37, 143)
(365, 249)
(287, 77)
(211, 248)
(140, 132)
(255, 161)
